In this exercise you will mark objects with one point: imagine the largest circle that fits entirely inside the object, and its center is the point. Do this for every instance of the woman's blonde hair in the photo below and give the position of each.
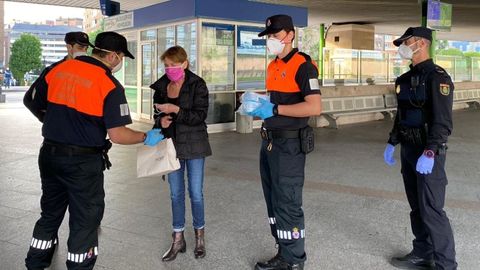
(176, 53)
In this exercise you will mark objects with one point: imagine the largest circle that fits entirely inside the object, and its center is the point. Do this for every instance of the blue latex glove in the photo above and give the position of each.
(388, 155)
(154, 136)
(425, 164)
(264, 111)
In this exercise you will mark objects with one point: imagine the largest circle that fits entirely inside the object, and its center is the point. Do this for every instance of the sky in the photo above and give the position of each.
(35, 13)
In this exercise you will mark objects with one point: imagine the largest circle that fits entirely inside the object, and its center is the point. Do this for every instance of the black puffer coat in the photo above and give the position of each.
(188, 129)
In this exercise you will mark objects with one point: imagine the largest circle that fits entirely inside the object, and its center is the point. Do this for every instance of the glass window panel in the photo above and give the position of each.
(462, 70)
(131, 64)
(374, 67)
(166, 39)
(218, 56)
(448, 63)
(341, 66)
(475, 69)
(131, 94)
(148, 35)
(187, 38)
(147, 64)
(251, 59)
(147, 97)
(397, 66)
(221, 108)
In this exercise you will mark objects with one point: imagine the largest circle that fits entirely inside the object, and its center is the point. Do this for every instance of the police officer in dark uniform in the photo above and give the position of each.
(82, 103)
(292, 83)
(422, 126)
(77, 44)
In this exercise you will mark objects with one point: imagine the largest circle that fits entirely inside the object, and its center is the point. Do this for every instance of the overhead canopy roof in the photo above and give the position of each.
(388, 16)
(125, 5)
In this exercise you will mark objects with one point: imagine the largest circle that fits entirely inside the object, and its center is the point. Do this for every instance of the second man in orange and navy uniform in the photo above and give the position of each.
(292, 83)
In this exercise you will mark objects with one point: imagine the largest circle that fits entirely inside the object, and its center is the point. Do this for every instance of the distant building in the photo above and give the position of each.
(93, 20)
(74, 22)
(51, 37)
(50, 22)
(2, 36)
(465, 46)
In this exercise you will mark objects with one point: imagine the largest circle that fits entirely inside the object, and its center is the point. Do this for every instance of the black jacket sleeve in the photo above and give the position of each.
(159, 97)
(197, 114)
(394, 136)
(35, 98)
(439, 120)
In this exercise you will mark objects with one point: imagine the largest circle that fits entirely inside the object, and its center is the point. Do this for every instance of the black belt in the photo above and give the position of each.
(69, 150)
(279, 134)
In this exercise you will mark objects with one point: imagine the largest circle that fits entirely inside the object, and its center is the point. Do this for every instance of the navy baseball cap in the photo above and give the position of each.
(277, 23)
(422, 32)
(80, 38)
(112, 41)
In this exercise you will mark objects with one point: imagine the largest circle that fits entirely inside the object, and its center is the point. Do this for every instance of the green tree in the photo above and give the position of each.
(93, 35)
(450, 52)
(26, 54)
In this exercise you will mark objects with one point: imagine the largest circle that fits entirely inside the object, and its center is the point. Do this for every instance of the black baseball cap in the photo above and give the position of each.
(112, 41)
(277, 23)
(422, 32)
(80, 38)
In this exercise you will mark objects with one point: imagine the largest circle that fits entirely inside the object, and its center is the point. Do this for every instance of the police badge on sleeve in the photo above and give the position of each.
(444, 89)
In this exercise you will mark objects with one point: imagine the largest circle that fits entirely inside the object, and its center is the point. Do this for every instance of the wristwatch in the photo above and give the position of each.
(429, 153)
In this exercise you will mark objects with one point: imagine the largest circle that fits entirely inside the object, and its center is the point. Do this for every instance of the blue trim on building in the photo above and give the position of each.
(229, 10)
(169, 11)
(248, 11)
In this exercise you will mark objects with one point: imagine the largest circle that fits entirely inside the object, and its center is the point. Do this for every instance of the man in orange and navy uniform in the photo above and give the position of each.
(82, 102)
(292, 82)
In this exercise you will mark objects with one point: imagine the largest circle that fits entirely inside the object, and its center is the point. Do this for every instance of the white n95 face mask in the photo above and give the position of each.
(406, 52)
(275, 46)
(116, 68)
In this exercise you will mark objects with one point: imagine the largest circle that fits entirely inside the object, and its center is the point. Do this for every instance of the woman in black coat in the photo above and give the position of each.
(181, 105)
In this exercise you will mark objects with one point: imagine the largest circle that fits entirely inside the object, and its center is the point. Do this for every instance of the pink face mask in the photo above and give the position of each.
(175, 74)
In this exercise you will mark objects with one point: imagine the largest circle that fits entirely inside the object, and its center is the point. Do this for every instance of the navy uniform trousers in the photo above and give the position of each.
(74, 181)
(426, 196)
(282, 172)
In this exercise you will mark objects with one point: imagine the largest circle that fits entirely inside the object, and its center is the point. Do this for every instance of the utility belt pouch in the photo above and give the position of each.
(307, 139)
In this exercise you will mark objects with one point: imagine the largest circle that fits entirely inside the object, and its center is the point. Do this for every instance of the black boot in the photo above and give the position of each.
(274, 263)
(178, 245)
(411, 261)
(295, 266)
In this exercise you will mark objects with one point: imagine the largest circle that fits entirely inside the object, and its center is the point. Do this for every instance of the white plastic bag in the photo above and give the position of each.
(157, 160)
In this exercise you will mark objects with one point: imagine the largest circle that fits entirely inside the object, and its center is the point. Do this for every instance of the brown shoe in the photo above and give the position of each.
(178, 245)
(199, 250)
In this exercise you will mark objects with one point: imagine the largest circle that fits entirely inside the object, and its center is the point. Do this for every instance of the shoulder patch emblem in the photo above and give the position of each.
(397, 89)
(314, 84)
(444, 89)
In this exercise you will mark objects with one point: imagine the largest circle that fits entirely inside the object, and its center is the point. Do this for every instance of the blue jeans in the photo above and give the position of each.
(176, 179)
